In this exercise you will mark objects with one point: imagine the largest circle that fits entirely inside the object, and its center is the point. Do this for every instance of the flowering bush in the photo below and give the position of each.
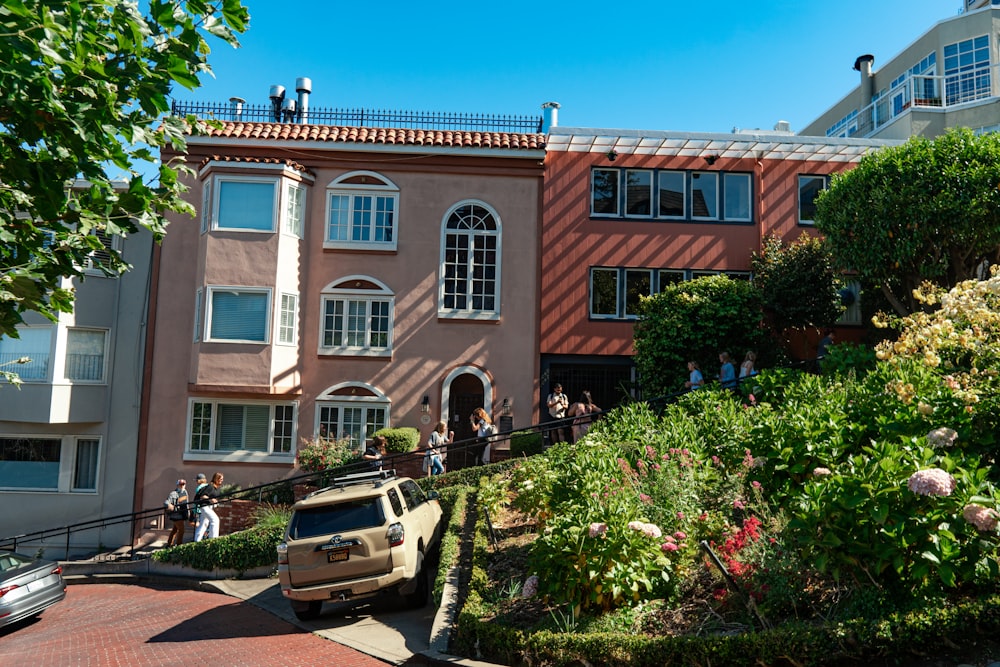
(319, 453)
(932, 482)
(983, 518)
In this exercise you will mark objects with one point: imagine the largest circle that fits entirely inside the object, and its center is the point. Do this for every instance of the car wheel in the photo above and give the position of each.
(418, 598)
(307, 611)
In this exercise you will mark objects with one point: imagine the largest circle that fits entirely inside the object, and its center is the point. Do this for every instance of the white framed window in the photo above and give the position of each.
(361, 211)
(604, 293)
(604, 188)
(206, 204)
(109, 243)
(470, 262)
(850, 298)
(705, 195)
(810, 185)
(356, 317)
(245, 203)
(235, 429)
(61, 463)
(353, 411)
(33, 344)
(615, 293)
(288, 319)
(86, 355)
(238, 314)
(295, 209)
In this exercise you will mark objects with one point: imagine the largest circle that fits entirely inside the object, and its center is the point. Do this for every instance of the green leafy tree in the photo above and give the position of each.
(924, 210)
(694, 320)
(797, 282)
(85, 87)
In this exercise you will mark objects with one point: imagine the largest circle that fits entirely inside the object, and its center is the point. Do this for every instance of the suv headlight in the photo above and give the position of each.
(396, 534)
(282, 553)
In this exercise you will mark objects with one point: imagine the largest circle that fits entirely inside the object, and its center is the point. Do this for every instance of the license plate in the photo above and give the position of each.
(336, 555)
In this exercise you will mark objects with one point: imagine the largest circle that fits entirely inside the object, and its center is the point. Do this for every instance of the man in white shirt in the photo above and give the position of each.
(558, 404)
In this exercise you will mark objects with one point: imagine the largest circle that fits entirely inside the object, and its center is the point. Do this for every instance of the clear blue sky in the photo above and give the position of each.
(668, 65)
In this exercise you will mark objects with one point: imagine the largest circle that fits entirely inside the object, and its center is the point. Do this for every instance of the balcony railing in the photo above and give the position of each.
(35, 369)
(924, 91)
(415, 120)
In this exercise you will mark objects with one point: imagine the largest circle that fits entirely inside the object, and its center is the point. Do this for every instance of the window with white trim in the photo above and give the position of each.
(967, 70)
(206, 204)
(810, 185)
(351, 411)
(198, 309)
(361, 212)
(667, 194)
(470, 262)
(33, 348)
(225, 427)
(295, 209)
(238, 314)
(49, 463)
(86, 352)
(109, 243)
(356, 317)
(288, 319)
(245, 203)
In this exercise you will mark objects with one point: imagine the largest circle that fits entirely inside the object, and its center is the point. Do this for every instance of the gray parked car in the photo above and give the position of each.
(28, 586)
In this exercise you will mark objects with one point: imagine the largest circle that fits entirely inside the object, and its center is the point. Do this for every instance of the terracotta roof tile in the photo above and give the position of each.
(291, 164)
(380, 135)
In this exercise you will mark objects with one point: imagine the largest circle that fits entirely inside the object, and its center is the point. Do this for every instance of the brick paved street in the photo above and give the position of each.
(106, 625)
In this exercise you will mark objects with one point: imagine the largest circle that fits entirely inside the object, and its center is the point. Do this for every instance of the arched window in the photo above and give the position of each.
(470, 262)
(361, 212)
(353, 411)
(356, 317)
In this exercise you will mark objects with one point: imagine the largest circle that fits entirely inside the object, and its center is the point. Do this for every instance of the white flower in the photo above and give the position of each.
(932, 482)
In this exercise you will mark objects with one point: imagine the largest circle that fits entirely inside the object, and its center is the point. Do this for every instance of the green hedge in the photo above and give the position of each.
(241, 551)
(400, 440)
(526, 443)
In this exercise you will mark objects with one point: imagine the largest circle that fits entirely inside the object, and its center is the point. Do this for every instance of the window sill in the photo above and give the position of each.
(241, 457)
(384, 248)
(354, 352)
(465, 316)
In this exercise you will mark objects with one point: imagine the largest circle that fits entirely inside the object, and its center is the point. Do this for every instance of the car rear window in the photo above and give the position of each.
(339, 518)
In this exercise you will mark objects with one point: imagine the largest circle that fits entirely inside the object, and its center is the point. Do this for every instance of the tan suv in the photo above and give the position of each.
(366, 534)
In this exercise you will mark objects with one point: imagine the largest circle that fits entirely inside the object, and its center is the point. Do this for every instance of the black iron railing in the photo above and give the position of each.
(416, 120)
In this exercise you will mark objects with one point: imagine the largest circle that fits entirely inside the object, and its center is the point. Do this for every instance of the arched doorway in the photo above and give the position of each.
(465, 389)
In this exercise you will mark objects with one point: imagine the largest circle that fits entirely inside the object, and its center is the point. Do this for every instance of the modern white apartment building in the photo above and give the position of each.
(947, 77)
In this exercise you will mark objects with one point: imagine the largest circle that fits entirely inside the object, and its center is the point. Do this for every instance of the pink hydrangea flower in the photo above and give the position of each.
(530, 588)
(647, 529)
(598, 529)
(645, 498)
(680, 535)
(755, 484)
(821, 472)
(983, 518)
(738, 505)
(669, 546)
(932, 482)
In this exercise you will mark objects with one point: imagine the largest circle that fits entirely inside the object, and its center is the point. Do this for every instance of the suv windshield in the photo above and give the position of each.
(336, 518)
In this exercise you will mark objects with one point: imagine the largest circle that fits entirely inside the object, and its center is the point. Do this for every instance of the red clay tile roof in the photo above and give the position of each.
(291, 164)
(379, 135)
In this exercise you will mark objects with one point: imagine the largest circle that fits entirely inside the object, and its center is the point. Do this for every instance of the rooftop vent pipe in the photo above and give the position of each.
(550, 116)
(236, 107)
(288, 111)
(277, 95)
(303, 87)
(863, 64)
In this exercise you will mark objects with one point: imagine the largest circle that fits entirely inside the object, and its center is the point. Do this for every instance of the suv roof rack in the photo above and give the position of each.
(376, 476)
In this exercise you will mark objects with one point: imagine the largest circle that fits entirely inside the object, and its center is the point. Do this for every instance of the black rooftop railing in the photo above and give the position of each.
(415, 120)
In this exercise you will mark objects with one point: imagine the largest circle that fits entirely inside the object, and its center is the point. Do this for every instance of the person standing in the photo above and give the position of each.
(484, 428)
(727, 373)
(558, 403)
(695, 378)
(824, 345)
(433, 463)
(207, 499)
(746, 368)
(582, 411)
(375, 452)
(195, 514)
(177, 512)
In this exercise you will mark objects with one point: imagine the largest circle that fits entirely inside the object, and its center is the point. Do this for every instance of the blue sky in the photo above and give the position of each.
(694, 67)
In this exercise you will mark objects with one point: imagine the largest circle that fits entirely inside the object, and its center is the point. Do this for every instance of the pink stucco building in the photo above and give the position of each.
(336, 280)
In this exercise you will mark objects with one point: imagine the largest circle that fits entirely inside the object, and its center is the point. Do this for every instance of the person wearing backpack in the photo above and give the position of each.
(485, 429)
(207, 499)
(195, 514)
(177, 511)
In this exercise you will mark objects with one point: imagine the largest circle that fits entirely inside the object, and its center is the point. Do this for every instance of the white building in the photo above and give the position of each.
(948, 77)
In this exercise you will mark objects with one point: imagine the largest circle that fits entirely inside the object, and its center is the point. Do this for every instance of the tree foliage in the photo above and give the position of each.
(797, 282)
(85, 86)
(694, 320)
(927, 210)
